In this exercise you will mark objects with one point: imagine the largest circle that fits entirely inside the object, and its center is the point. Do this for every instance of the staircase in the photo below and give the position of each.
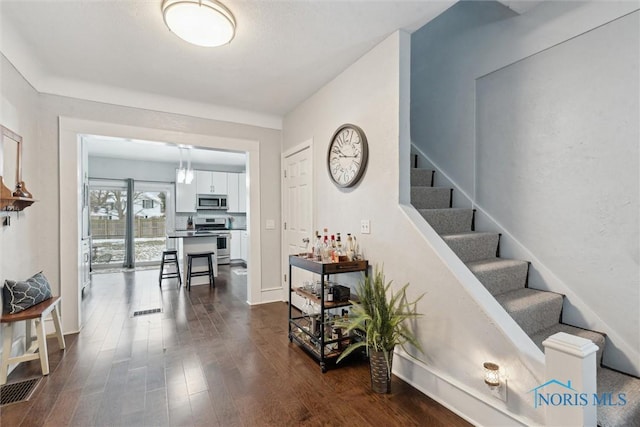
(539, 313)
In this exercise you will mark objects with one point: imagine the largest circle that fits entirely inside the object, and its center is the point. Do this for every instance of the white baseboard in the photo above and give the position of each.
(269, 295)
(469, 404)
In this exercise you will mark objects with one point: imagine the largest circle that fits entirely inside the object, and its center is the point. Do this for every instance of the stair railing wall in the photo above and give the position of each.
(575, 311)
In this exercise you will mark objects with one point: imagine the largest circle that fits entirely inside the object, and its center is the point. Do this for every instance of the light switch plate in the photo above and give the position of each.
(270, 224)
(365, 226)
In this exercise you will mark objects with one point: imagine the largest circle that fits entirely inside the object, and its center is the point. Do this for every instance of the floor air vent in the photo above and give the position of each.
(18, 392)
(143, 312)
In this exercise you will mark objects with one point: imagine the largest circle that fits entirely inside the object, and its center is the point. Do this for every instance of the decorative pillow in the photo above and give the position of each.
(20, 295)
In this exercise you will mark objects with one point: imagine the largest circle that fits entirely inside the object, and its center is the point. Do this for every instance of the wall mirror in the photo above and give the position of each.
(11, 156)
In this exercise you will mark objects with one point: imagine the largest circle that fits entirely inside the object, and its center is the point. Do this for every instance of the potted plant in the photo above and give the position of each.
(380, 316)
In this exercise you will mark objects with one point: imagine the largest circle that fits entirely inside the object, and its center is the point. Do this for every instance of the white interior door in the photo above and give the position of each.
(297, 213)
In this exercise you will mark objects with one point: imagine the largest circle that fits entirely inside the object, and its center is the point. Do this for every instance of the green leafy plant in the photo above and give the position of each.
(380, 315)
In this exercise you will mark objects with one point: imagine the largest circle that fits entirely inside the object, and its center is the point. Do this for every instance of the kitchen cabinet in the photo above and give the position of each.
(185, 196)
(236, 244)
(244, 244)
(237, 192)
(208, 182)
(242, 192)
(232, 192)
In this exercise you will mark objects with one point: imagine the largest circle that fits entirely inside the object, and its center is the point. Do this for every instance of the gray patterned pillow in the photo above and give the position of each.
(20, 295)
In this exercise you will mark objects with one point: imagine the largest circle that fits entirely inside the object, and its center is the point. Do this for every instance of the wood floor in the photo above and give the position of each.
(208, 359)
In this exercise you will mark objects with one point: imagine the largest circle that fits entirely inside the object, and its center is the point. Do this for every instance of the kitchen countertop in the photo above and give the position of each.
(182, 234)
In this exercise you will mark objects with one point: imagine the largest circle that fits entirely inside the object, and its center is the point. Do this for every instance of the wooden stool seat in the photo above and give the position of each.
(38, 350)
(209, 272)
(170, 257)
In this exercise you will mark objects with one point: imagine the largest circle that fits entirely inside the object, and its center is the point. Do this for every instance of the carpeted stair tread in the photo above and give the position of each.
(597, 338)
(422, 177)
(533, 310)
(450, 220)
(500, 275)
(430, 197)
(610, 381)
(473, 246)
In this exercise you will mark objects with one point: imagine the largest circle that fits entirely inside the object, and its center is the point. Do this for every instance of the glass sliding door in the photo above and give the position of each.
(151, 216)
(128, 230)
(107, 222)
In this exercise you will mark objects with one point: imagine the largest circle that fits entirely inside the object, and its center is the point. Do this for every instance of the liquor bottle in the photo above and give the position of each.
(317, 250)
(332, 250)
(326, 254)
(350, 252)
(339, 248)
(356, 249)
(330, 294)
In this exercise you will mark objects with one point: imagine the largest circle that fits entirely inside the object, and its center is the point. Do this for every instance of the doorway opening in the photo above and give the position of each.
(72, 167)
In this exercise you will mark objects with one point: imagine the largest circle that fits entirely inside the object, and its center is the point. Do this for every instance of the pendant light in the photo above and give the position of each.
(181, 172)
(206, 23)
(188, 175)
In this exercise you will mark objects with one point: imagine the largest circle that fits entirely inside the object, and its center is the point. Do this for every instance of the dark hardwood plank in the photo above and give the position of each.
(208, 359)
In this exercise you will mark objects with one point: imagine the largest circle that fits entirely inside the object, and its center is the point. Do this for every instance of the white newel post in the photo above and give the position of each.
(571, 377)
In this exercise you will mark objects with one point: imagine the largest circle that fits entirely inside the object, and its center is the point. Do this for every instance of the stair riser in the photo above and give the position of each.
(537, 317)
(506, 279)
(430, 197)
(449, 221)
(422, 178)
(474, 247)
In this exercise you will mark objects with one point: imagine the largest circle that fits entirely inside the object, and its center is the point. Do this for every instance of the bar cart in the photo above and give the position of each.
(319, 346)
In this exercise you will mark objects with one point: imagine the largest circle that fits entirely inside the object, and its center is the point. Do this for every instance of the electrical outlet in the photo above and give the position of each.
(500, 392)
(365, 226)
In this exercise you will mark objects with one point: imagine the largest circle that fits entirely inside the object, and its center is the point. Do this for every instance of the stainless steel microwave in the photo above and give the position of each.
(211, 202)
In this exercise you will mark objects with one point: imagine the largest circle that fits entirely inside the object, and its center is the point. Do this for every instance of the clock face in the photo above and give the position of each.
(347, 156)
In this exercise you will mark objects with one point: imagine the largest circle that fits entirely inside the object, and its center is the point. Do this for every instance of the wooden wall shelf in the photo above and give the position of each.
(11, 203)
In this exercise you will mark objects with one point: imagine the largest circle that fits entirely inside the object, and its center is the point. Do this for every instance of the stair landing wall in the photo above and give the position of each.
(539, 130)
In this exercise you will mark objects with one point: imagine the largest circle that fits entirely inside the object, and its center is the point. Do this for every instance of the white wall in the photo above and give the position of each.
(535, 117)
(19, 243)
(456, 334)
(39, 240)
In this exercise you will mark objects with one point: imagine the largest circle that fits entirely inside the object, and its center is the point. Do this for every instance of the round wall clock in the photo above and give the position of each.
(347, 157)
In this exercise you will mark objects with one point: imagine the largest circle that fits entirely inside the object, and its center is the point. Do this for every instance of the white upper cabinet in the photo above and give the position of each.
(242, 192)
(232, 193)
(185, 196)
(237, 194)
(211, 182)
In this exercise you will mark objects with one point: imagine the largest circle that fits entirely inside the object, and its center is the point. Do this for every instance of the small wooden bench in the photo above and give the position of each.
(38, 350)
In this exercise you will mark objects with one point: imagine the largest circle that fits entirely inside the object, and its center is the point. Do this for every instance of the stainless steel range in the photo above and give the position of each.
(217, 226)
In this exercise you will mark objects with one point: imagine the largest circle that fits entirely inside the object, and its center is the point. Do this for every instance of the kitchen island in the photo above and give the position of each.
(196, 241)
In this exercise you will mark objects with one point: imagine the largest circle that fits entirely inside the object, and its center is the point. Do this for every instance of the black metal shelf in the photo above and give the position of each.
(298, 330)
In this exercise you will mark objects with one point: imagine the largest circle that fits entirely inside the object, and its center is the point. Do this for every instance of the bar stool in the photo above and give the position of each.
(170, 257)
(209, 272)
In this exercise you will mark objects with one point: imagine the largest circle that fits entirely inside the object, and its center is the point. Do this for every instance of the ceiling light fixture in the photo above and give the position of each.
(181, 171)
(188, 175)
(205, 23)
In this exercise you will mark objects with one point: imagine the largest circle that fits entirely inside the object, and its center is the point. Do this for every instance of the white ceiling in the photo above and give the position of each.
(118, 148)
(120, 51)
